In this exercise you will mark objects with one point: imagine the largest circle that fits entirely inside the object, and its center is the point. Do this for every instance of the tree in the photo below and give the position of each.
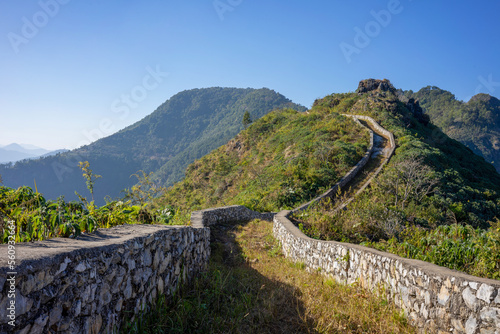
(247, 120)
(409, 178)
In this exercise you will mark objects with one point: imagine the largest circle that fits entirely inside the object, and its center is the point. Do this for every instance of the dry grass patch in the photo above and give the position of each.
(251, 288)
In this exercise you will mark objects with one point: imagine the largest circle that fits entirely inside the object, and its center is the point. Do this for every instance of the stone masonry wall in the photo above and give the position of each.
(436, 299)
(97, 282)
(332, 192)
(232, 213)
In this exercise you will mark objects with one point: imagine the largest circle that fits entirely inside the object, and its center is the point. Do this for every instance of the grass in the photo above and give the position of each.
(251, 288)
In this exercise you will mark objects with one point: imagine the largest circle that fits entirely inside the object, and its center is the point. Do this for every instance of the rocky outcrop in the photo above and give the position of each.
(369, 85)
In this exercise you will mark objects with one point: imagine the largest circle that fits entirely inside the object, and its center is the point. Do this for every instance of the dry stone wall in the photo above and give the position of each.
(332, 192)
(97, 282)
(232, 213)
(435, 299)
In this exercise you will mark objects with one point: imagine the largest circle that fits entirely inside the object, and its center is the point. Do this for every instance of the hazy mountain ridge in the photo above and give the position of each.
(185, 127)
(15, 152)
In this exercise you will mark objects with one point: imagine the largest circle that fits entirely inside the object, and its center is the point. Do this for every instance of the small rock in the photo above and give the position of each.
(81, 267)
(78, 308)
(146, 258)
(23, 304)
(55, 315)
(39, 324)
(160, 285)
(443, 295)
(96, 326)
(486, 293)
(64, 324)
(105, 294)
(86, 294)
(470, 299)
(118, 306)
(457, 324)
(127, 292)
(471, 326)
(63, 266)
(27, 285)
(110, 277)
(131, 264)
(490, 314)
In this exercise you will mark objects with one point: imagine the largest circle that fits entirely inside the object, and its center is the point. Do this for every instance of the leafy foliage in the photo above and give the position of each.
(475, 251)
(475, 123)
(37, 218)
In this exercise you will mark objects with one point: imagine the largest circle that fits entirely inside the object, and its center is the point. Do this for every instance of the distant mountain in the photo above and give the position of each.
(184, 128)
(7, 156)
(16, 152)
(475, 123)
(28, 149)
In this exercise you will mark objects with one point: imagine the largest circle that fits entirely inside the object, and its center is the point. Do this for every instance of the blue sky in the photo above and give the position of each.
(73, 71)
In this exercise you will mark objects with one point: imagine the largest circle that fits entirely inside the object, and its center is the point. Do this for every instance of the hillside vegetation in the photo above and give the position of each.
(435, 200)
(475, 123)
(184, 128)
(282, 160)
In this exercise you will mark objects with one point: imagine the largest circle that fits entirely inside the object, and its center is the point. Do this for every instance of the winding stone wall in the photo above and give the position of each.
(436, 299)
(332, 192)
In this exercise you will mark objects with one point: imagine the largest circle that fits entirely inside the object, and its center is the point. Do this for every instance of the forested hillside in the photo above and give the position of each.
(475, 123)
(184, 128)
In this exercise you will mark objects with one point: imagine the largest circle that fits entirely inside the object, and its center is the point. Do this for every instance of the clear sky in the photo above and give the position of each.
(72, 71)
